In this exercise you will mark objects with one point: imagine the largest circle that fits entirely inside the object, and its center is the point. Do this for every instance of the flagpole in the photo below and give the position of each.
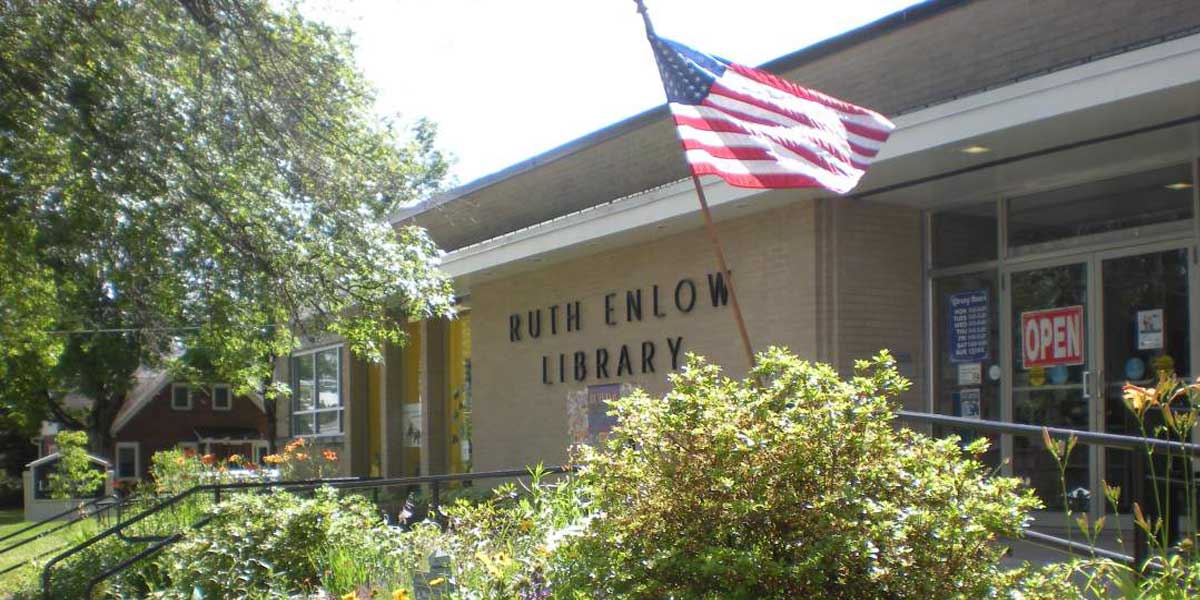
(718, 249)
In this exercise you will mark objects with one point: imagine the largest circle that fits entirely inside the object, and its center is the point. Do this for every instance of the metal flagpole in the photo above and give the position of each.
(718, 249)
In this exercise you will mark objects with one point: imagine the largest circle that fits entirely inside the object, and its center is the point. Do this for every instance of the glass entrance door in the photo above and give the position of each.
(1146, 324)
(1050, 370)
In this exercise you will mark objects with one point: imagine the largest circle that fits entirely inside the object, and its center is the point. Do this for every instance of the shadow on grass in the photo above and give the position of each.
(11, 516)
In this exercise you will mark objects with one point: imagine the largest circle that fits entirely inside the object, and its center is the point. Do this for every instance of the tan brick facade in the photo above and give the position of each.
(519, 419)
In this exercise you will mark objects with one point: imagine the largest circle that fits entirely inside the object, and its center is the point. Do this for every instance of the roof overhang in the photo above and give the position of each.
(1085, 112)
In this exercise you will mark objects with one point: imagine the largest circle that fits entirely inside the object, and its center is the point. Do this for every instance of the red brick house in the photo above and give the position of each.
(161, 414)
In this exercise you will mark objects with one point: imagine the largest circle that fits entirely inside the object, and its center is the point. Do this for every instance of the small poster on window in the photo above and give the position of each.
(412, 425)
(970, 373)
(968, 326)
(969, 403)
(1150, 329)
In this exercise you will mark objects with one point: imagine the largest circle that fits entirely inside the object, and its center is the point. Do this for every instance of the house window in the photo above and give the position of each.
(128, 462)
(222, 399)
(181, 396)
(317, 393)
(260, 450)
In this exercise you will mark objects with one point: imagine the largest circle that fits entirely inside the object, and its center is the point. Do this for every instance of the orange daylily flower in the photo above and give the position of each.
(329, 455)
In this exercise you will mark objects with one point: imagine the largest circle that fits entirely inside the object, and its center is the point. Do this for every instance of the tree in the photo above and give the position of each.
(76, 476)
(199, 173)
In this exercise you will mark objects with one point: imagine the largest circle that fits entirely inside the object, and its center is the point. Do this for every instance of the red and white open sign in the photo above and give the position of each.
(1052, 337)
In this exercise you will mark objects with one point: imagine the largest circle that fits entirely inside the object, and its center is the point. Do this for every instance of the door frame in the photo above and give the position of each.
(1093, 384)
(1090, 266)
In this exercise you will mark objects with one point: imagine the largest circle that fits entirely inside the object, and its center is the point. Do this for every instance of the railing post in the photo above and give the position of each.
(435, 500)
(217, 494)
(1140, 543)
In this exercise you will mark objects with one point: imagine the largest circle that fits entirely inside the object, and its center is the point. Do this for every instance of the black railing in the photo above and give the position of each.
(1095, 438)
(91, 508)
(158, 543)
(436, 482)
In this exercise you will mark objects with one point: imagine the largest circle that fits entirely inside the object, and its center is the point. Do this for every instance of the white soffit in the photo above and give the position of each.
(1090, 85)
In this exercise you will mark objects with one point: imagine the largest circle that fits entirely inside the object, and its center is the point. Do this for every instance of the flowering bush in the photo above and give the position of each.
(280, 542)
(1169, 410)
(792, 483)
(301, 460)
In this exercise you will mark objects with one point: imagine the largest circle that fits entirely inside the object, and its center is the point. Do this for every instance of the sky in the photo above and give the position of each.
(506, 80)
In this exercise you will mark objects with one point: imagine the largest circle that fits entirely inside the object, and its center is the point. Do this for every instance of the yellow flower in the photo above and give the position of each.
(234, 459)
(273, 459)
(437, 582)
(350, 596)
(1138, 399)
(400, 595)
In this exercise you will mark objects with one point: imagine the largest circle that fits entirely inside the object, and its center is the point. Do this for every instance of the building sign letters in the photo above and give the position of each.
(1052, 337)
(969, 327)
(633, 305)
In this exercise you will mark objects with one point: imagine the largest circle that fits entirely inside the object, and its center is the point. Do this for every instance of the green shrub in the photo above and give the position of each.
(502, 547)
(261, 545)
(792, 483)
(76, 476)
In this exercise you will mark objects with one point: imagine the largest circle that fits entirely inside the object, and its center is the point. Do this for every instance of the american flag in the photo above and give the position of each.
(755, 130)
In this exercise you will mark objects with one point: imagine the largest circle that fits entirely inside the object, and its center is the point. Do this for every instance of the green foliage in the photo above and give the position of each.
(169, 165)
(503, 547)
(1168, 410)
(792, 483)
(278, 542)
(76, 476)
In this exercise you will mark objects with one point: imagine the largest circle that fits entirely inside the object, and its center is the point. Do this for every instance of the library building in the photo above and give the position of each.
(1024, 244)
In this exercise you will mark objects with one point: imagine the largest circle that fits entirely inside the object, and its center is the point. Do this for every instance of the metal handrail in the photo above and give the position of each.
(58, 516)
(1095, 438)
(435, 481)
(1109, 440)
(77, 517)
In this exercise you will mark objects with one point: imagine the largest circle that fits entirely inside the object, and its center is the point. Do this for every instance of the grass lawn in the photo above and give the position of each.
(14, 520)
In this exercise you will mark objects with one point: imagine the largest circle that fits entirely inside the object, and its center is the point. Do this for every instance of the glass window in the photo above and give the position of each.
(181, 397)
(127, 460)
(1100, 207)
(260, 452)
(222, 399)
(966, 344)
(965, 235)
(317, 394)
(327, 379)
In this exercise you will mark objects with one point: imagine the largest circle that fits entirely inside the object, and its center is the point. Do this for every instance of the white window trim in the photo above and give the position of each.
(228, 395)
(341, 407)
(259, 445)
(175, 386)
(137, 461)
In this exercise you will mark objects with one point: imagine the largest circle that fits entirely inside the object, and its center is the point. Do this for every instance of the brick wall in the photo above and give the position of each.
(875, 288)
(518, 420)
